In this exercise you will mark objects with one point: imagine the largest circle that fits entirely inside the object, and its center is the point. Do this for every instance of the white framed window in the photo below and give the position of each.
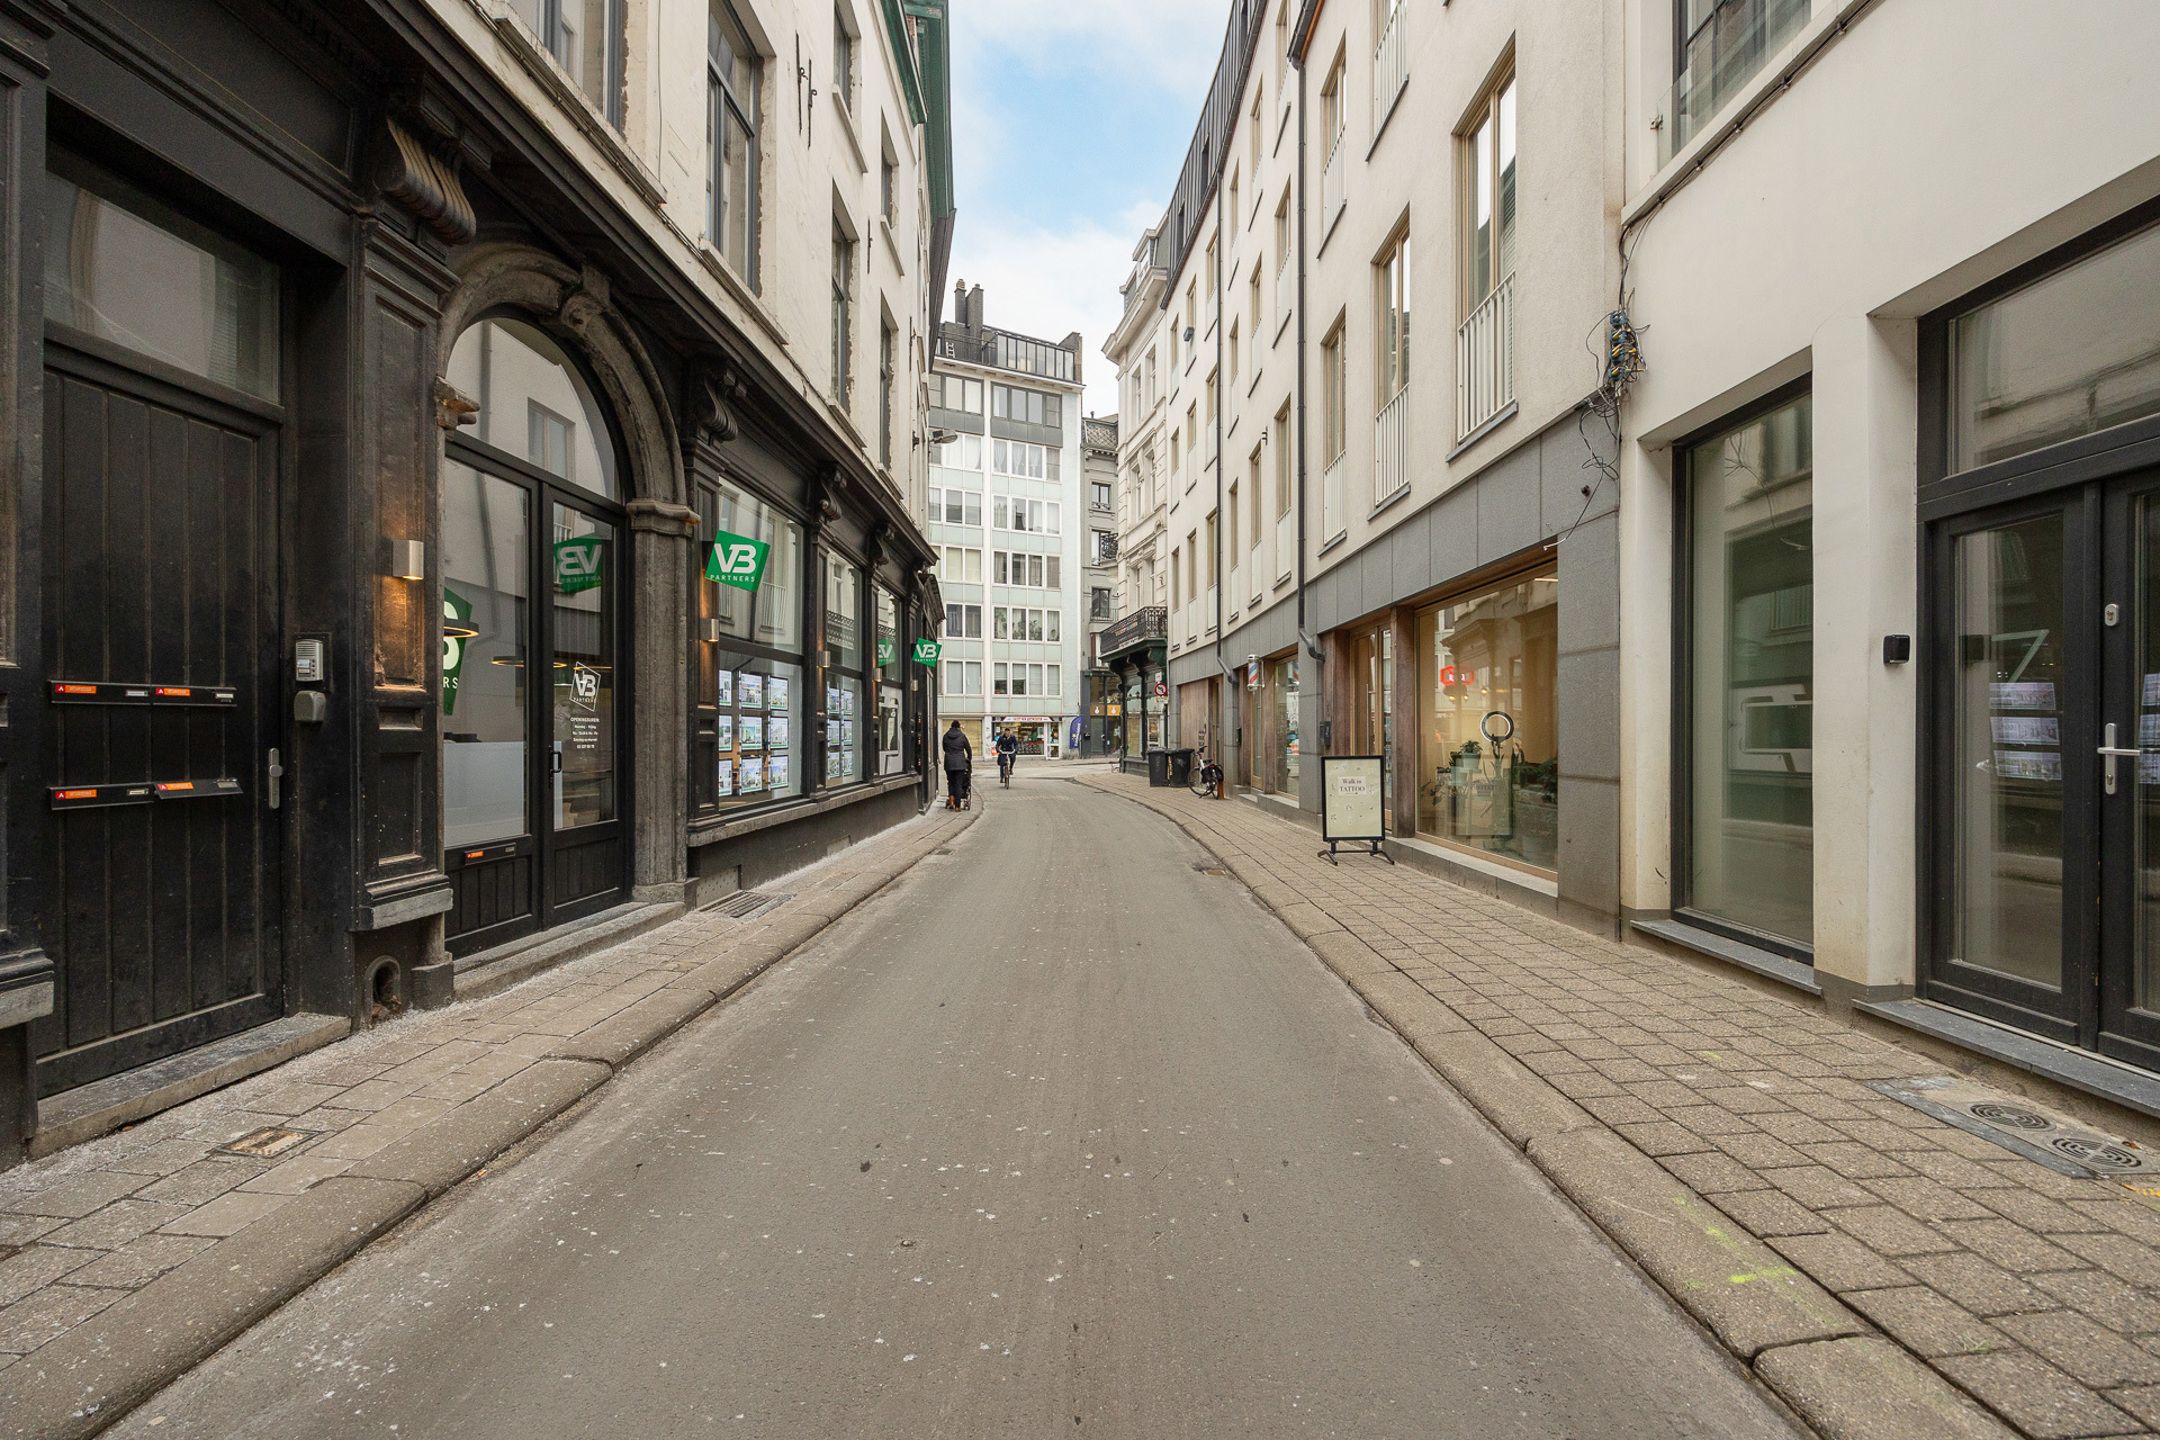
(960, 564)
(1391, 320)
(845, 43)
(1032, 407)
(957, 392)
(960, 677)
(843, 312)
(963, 622)
(1488, 211)
(1023, 461)
(1027, 517)
(1027, 572)
(962, 452)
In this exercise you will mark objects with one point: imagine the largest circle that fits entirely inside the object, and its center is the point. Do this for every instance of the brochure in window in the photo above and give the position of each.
(750, 689)
(832, 700)
(724, 778)
(752, 729)
(724, 730)
(776, 692)
(753, 776)
(776, 733)
(776, 772)
(724, 693)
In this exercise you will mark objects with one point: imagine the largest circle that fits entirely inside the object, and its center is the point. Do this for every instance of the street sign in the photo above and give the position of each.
(1350, 793)
(578, 562)
(736, 560)
(1162, 690)
(926, 652)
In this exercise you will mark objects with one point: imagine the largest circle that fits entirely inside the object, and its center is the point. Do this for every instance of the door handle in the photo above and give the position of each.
(277, 773)
(2109, 753)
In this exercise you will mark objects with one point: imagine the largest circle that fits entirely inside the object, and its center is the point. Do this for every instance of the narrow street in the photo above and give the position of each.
(1055, 1136)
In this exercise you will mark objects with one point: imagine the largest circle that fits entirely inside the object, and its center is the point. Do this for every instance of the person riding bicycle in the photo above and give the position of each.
(1008, 753)
(959, 760)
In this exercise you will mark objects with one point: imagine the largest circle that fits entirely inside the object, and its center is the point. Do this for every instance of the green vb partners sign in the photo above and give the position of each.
(737, 560)
(578, 563)
(927, 651)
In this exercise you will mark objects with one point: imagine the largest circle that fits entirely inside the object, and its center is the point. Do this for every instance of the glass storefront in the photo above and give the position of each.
(1746, 783)
(891, 665)
(1488, 737)
(487, 623)
(1372, 715)
(1282, 712)
(754, 679)
(847, 721)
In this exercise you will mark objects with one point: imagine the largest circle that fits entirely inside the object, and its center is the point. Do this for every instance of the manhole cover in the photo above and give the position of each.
(268, 1142)
(744, 904)
(2020, 1127)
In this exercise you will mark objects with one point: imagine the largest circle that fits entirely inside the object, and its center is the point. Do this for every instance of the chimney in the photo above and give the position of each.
(975, 308)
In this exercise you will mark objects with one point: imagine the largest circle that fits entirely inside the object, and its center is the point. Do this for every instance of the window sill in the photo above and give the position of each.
(1327, 545)
(847, 128)
(740, 292)
(1390, 500)
(892, 245)
(1507, 413)
(1328, 227)
(1767, 963)
(1393, 106)
(2079, 1070)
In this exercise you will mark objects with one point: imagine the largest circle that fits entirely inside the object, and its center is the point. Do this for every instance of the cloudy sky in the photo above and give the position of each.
(1070, 120)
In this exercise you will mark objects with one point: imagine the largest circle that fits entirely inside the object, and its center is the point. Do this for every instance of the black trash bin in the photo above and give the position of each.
(1158, 767)
(1181, 767)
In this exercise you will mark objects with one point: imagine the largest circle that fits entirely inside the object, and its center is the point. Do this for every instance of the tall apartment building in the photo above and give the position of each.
(1007, 516)
(1101, 704)
(1375, 548)
(1886, 319)
(529, 400)
(1890, 537)
(1133, 647)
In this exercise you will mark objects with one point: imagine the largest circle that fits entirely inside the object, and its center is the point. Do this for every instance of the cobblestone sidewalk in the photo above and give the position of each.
(117, 1257)
(2035, 1294)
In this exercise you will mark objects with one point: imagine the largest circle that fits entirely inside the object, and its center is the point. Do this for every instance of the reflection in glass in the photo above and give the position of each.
(485, 591)
(1748, 798)
(534, 403)
(1372, 672)
(843, 613)
(2070, 354)
(2007, 830)
(1282, 678)
(1488, 743)
(583, 673)
(129, 269)
(772, 613)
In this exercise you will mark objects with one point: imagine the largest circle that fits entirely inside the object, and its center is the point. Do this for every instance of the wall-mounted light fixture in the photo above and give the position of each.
(405, 559)
(709, 631)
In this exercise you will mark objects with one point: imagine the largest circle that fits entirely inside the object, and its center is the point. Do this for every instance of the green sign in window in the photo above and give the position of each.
(927, 651)
(737, 560)
(457, 629)
(578, 563)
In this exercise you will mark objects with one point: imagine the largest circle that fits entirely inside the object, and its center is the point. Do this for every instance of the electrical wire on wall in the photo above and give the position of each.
(1615, 345)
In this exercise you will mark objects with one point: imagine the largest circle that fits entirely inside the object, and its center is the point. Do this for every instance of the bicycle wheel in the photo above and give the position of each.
(1203, 783)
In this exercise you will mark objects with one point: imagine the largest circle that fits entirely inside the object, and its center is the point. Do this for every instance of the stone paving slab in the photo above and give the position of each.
(1878, 1269)
(129, 1259)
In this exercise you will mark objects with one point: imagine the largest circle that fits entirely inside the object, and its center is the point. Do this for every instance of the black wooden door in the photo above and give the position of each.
(160, 572)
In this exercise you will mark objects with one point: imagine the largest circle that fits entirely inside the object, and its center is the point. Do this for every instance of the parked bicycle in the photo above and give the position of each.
(1207, 777)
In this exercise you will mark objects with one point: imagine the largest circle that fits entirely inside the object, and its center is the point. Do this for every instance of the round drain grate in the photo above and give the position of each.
(2097, 1153)
(1996, 1113)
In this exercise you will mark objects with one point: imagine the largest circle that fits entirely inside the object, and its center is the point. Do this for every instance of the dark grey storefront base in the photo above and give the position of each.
(489, 971)
(88, 1111)
(746, 853)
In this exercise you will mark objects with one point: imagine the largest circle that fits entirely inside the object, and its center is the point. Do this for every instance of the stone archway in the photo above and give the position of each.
(575, 304)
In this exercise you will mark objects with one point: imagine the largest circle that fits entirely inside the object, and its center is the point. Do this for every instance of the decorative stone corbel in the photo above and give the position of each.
(586, 303)
(410, 176)
(453, 407)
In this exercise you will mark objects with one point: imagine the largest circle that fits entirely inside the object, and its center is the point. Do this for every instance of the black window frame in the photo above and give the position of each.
(721, 101)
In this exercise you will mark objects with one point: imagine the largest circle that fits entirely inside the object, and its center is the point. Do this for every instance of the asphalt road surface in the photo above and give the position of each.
(1061, 1135)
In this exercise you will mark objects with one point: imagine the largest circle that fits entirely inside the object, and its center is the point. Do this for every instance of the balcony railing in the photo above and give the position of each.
(1391, 65)
(1285, 547)
(1149, 622)
(1331, 185)
(1485, 360)
(1391, 446)
(1332, 520)
(1285, 292)
(1725, 52)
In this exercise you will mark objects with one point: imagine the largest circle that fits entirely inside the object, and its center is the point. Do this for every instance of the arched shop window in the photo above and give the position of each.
(534, 403)
(892, 685)
(533, 792)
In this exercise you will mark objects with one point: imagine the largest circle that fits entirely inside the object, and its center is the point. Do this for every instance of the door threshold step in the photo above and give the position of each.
(102, 1106)
(487, 972)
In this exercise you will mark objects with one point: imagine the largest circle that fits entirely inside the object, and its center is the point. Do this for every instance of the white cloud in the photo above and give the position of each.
(1049, 282)
(1172, 43)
